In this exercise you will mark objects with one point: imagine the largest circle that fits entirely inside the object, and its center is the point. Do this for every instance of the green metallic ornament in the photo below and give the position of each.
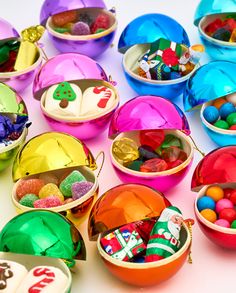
(43, 233)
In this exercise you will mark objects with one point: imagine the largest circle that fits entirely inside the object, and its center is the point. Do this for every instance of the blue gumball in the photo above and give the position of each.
(205, 202)
(226, 109)
(211, 114)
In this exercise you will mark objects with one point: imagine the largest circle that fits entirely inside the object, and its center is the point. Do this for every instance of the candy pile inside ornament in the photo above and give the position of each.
(147, 240)
(223, 28)
(79, 23)
(167, 60)
(16, 278)
(157, 151)
(50, 190)
(222, 112)
(218, 206)
(68, 100)
(11, 128)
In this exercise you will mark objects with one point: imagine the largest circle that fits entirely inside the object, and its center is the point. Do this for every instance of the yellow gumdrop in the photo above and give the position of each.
(49, 190)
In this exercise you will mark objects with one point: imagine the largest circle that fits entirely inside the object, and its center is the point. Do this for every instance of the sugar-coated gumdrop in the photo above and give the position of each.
(173, 153)
(215, 192)
(227, 192)
(233, 225)
(63, 18)
(66, 184)
(232, 197)
(79, 189)
(80, 28)
(231, 119)
(49, 190)
(233, 127)
(205, 202)
(49, 178)
(223, 203)
(48, 202)
(209, 215)
(211, 114)
(219, 102)
(85, 17)
(154, 165)
(221, 124)
(152, 138)
(68, 200)
(135, 165)
(174, 164)
(222, 223)
(101, 21)
(147, 153)
(29, 186)
(226, 109)
(228, 214)
(28, 200)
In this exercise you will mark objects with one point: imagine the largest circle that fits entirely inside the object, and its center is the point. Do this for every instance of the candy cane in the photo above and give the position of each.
(37, 288)
(103, 102)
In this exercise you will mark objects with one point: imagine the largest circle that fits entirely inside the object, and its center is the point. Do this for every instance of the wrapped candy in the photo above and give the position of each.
(125, 150)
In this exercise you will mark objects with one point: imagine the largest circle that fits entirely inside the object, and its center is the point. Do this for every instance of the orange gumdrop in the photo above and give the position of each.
(209, 215)
(219, 102)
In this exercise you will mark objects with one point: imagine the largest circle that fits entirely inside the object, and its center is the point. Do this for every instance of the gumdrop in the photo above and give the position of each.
(80, 28)
(63, 18)
(85, 18)
(48, 202)
(173, 153)
(28, 200)
(49, 178)
(79, 189)
(29, 186)
(49, 190)
(152, 138)
(68, 200)
(102, 21)
(154, 165)
(66, 184)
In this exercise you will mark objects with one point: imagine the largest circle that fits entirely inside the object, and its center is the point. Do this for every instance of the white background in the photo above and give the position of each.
(213, 269)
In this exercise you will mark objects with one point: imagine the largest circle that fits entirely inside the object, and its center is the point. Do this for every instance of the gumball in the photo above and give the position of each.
(233, 197)
(233, 224)
(222, 204)
(211, 114)
(221, 124)
(231, 98)
(215, 192)
(228, 214)
(227, 192)
(233, 127)
(209, 215)
(231, 119)
(222, 223)
(205, 202)
(219, 102)
(226, 109)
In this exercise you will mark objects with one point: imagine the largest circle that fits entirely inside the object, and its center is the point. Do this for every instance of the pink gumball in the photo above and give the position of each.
(222, 223)
(223, 203)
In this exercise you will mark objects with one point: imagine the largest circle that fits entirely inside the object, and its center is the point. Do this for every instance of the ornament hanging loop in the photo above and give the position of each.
(100, 154)
(196, 147)
(189, 223)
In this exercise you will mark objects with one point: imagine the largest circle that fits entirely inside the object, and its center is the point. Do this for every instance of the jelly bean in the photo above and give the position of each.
(29, 186)
(152, 138)
(147, 153)
(211, 114)
(66, 184)
(49, 190)
(79, 189)
(215, 192)
(48, 202)
(80, 28)
(173, 153)
(28, 200)
(154, 165)
(63, 18)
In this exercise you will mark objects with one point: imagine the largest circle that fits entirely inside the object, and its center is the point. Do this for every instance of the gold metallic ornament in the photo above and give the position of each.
(125, 150)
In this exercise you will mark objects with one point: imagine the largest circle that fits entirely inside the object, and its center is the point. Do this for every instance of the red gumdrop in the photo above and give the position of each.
(152, 138)
(233, 197)
(174, 164)
(173, 153)
(101, 21)
(227, 192)
(228, 214)
(213, 26)
(29, 186)
(233, 127)
(63, 18)
(154, 165)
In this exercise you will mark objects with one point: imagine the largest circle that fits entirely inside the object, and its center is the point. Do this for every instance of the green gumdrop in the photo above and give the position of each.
(99, 30)
(66, 184)
(61, 30)
(221, 124)
(233, 224)
(231, 119)
(64, 91)
(135, 165)
(28, 200)
(171, 140)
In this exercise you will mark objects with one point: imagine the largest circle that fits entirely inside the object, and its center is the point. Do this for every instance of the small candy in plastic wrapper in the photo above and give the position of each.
(124, 243)
(125, 150)
(233, 36)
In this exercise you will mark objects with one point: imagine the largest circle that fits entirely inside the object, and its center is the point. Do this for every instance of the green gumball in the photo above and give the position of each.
(231, 119)
(221, 124)
(233, 224)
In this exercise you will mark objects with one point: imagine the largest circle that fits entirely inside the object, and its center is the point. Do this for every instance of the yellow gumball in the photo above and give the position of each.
(209, 215)
(215, 192)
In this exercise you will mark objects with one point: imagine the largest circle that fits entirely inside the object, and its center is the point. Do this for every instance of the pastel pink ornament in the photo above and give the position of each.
(223, 203)
(222, 223)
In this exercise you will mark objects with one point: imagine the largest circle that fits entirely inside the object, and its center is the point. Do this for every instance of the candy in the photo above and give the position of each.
(49, 178)
(222, 223)
(28, 200)
(145, 227)
(209, 215)
(80, 28)
(233, 36)
(226, 109)
(152, 138)
(212, 27)
(63, 18)
(176, 75)
(233, 127)
(173, 153)
(29, 186)
(61, 30)
(205, 202)
(231, 98)
(228, 192)
(66, 184)
(147, 153)
(223, 203)
(219, 102)
(222, 34)
(154, 165)
(215, 192)
(49, 190)
(221, 124)
(48, 202)
(211, 114)
(171, 140)
(79, 189)
(99, 30)
(174, 164)
(228, 214)
(85, 18)
(233, 225)
(135, 165)
(125, 150)
(232, 197)
(231, 119)
(101, 21)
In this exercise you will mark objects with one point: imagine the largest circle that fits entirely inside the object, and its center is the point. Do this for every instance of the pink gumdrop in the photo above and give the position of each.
(222, 223)
(223, 203)
(48, 202)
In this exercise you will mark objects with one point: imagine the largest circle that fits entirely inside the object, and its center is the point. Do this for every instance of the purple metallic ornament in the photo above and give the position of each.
(7, 30)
